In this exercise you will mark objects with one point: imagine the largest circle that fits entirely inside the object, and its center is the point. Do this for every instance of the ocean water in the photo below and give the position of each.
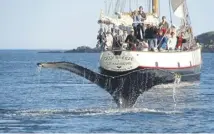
(47, 100)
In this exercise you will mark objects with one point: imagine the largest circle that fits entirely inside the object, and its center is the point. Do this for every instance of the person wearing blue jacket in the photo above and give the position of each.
(162, 41)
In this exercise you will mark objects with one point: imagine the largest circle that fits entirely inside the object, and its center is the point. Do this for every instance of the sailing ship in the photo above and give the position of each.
(126, 74)
(187, 63)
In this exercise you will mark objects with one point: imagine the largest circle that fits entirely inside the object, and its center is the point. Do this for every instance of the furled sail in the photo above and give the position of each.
(178, 8)
(125, 20)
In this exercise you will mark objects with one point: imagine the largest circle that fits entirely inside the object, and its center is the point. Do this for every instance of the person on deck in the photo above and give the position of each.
(162, 41)
(131, 40)
(151, 36)
(172, 41)
(173, 29)
(142, 13)
(117, 41)
(136, 22)
(164, 25)
(124, 36)
(180, 41)
(101, 38)
(143, 46)
(141, 28)
(108, 41)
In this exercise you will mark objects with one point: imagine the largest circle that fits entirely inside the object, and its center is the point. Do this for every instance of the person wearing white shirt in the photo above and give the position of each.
(108, 41)
(172, 41)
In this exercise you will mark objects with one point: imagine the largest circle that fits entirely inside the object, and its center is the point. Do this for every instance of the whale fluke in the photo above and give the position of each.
(126, 88)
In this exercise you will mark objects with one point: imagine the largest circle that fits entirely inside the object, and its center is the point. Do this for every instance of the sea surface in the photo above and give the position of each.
(46, 100)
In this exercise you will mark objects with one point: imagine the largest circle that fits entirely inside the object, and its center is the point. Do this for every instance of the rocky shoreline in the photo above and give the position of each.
(206, 40)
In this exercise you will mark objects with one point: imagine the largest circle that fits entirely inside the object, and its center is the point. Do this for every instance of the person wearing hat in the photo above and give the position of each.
(131, 40)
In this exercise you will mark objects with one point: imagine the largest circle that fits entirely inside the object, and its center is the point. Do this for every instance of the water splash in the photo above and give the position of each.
(176, 83)
(38, 72)
(83, 79)
(39, 69)
(91, 112)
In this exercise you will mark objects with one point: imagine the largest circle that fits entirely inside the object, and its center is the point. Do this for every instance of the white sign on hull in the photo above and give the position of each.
(118, 63)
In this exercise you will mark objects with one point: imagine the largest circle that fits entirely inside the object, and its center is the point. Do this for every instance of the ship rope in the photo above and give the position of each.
(117, 6)
(123, 5)
(109, 8)
(106, 6)
(170, 12)
(188, 21)
(148, 4)
(137, 4)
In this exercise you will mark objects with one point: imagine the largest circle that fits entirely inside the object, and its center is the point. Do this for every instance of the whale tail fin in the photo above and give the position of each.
(94, 77)
(126, 88)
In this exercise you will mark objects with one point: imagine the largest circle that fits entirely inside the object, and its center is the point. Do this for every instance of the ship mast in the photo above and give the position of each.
(155, 7)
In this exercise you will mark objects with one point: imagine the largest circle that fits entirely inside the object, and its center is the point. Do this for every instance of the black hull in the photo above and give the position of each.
(187, 75)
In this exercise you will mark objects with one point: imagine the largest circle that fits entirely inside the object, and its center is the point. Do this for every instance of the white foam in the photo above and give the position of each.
(92, 112)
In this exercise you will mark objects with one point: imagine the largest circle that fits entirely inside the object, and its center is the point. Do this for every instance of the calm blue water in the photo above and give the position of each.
(57, 101)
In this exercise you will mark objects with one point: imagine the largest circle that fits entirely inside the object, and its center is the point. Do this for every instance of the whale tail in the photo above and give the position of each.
(126, 88)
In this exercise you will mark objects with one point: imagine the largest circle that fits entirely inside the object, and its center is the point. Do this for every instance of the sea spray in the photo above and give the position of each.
(176, 83)
(38, 72)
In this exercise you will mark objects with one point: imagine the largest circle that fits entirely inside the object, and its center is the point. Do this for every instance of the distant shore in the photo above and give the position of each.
(91, 50)
(81, 49)
(206, 40)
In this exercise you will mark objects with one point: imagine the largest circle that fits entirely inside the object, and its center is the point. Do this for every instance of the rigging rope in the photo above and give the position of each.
(159, 11)
(149, 5)
(117, 6)
(137, 3)
(106, 6)
(109, 8)
(188, 21)
(170, 12)
(124, 6)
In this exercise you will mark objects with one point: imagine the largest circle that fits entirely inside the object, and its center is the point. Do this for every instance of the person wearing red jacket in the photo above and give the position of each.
(180, 41)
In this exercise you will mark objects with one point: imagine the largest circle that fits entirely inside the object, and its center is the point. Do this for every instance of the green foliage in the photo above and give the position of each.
(206, 38)
(207, 41)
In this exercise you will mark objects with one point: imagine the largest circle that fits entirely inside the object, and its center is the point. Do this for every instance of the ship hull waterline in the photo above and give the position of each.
(186, 64)
(187, 75)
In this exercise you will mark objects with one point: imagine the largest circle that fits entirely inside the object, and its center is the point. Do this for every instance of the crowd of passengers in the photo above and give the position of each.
(140, 37)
